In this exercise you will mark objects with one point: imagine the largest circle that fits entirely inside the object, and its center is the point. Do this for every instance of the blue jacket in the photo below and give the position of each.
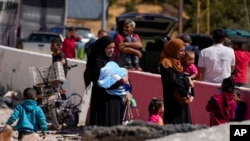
(29, 116)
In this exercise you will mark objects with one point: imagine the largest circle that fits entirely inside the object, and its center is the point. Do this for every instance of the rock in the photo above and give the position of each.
(136, 131)
(216, 133)
(12, 98)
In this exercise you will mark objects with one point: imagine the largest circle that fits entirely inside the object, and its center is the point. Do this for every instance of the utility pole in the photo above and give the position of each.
(203, 17)
(104, 14)
(180, 16)
(208, 17)
(198, 24)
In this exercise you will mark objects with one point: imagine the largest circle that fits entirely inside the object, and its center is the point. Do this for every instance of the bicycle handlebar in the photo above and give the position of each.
(72, 66)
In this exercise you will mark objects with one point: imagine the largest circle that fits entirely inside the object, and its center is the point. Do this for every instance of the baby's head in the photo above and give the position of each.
(29, 93)
(189, 57)
(155, 106)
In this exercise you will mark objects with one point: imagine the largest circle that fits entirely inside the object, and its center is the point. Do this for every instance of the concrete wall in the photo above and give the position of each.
(146, 86)
(14, 75)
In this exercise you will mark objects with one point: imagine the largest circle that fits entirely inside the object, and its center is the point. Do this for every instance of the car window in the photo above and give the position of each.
(44, 38)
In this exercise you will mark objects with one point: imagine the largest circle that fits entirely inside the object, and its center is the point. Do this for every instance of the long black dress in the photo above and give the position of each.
(174, 113)
(105, 109)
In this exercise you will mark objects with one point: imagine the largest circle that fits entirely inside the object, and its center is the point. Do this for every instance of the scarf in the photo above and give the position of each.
(169, 58)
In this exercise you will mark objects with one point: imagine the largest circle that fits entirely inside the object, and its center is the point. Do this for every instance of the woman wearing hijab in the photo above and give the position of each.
(173, 81)
(105, 109)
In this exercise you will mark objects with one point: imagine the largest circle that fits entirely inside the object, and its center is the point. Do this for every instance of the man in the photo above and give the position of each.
(69, 47)
(216, 62)
(242, 63)
(91, 42)
(128, 45)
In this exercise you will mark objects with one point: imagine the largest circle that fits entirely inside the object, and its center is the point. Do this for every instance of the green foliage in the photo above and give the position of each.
(154, 1)
(111, 2)
(130, 7)
(223, 14)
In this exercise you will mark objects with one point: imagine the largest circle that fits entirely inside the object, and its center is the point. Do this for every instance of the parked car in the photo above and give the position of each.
(154, 30)
(40, 41)
(85, 32)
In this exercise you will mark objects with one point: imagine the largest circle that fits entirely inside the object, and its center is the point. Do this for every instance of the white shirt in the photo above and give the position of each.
(217, 61)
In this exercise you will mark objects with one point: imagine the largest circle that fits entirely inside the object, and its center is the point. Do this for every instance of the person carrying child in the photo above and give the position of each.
(222, 106)
(115, 80)
(29, 115)
(128, 47)
(156, 108)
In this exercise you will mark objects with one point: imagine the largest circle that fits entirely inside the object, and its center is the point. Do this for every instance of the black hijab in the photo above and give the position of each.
(98, 51)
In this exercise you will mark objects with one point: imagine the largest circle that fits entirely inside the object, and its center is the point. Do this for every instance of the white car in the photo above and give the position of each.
(40, 41)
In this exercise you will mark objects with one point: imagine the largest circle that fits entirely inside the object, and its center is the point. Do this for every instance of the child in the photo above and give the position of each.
(240, 111)
(115, 80)
(189, 68)
(29, 115)
(155, 108)
(222, 106)
(58, 55)
(131, 60)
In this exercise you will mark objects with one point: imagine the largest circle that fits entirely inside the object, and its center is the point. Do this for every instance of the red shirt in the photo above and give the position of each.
(242, 61)
(69, 47)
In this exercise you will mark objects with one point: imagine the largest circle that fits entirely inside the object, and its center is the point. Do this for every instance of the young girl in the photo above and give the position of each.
(155, 108)
(222, 106)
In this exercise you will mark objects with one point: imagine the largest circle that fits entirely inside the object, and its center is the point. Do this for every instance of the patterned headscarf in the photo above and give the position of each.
(169, 55)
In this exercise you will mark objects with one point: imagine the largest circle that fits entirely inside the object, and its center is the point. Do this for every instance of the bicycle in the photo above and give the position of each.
(59, 110)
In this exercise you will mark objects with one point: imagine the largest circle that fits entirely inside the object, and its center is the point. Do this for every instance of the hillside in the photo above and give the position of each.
(114, 11)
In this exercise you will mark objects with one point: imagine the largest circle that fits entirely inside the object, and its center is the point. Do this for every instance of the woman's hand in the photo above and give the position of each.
(128, 97)
(191, 82)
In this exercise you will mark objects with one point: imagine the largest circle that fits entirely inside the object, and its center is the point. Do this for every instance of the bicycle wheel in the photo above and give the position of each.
(73, 118)
(53, 111)
(75, 99)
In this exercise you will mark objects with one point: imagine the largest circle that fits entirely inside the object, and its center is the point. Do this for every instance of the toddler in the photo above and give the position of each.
(131, 60)
(189, 67)
(155, 108)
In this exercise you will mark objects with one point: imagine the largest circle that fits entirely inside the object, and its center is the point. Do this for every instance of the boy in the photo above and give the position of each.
(58, 55)
(29, 115)
(241, 108)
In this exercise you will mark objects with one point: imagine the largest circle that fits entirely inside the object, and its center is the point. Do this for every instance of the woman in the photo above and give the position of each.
(173, 80)
(105, 109)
